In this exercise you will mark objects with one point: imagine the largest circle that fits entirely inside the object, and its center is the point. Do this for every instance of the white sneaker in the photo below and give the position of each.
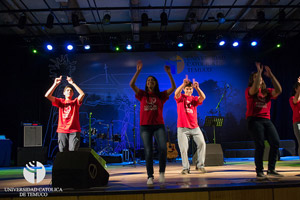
(150, 181)
(162, 177)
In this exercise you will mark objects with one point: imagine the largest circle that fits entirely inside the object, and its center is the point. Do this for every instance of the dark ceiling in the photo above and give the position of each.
(193, 21)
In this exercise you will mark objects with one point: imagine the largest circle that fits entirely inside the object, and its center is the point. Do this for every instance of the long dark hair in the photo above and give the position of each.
(155, 89)
(296, 85)
(263, 86)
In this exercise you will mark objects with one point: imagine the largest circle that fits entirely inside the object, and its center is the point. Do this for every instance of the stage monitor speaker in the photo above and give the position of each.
(213, 157)
(28, 154)
(33, 136)
(79, 169)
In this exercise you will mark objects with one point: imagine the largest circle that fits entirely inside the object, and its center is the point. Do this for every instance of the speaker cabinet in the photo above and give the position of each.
(33, 136)
(28, 154)
(213, 157)
(79, 169)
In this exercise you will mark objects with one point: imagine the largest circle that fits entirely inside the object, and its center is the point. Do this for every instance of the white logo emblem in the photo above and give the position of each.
(35, 172)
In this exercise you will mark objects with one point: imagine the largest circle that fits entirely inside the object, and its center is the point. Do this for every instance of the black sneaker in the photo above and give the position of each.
(261, 176)
(185, 171)
(274, 173)
(201, 169)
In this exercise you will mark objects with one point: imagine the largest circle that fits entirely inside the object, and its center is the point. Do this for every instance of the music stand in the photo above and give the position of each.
(214, 121)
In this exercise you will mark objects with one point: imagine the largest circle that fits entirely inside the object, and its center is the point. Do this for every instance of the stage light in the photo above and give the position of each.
(49, 47)
(278, 45)
(50, 20)
(128, 46)
(235, 44)
(145, 19)
(117, 48)
(34, 51)
(254, 43)
(222, 43)
(180, 44)
(199, 46)
(164, 19)
(87, 47)
(221, 18)
(22, 22)
(75, 20)
(106, 19)
(70, 47)
(261, 17)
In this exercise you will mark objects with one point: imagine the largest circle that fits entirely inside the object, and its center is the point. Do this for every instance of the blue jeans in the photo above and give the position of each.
(262, 129)
(158, 131)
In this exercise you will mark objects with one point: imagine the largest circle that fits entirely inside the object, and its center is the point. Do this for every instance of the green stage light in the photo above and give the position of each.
(34, 51)
(117, 48)
(278, 45)
(199, 46)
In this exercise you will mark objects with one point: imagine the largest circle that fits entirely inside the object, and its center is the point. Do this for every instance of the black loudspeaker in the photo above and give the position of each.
(214, 155)
(79, 169)
(28, 154)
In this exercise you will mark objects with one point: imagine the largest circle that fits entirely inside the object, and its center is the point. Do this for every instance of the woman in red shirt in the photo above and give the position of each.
(295, 105)
(151, 119)
(259, 98)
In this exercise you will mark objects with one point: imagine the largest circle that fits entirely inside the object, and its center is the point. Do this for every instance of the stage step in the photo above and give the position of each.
(247, 148)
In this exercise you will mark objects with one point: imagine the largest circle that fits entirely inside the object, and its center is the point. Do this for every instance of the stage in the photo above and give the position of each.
(236, 179)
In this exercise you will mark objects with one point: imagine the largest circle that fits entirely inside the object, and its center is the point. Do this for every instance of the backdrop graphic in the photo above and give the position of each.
(105, 77)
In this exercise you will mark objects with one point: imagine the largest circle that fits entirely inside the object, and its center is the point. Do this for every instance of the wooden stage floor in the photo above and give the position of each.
(235, 174)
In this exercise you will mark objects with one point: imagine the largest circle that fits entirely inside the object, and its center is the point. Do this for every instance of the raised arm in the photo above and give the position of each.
(256, 79)
(181, 87)
(200, 92)
(297, 95)
(49, 93)
(275, 82)
(139, 66)
(81, 93)
(173, 85)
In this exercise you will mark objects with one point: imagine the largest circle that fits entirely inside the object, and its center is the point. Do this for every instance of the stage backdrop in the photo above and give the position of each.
(105, 77)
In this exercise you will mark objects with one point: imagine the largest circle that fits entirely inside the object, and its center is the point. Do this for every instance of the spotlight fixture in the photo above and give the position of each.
(128, 46)
(261, 17)
(34, 51)
(49, 47)
(199, 46)
(22, 22)
(106, 19)
(70, 47)
(221, 18)
(278, 45)
(254, 43)
(180, 41)
(75, 20)
(145, 19)
(222, 43)
(164, 19)
(235, 44)
(50, 20)
(87, 47)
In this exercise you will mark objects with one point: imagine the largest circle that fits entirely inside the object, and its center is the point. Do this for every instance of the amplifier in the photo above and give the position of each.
(33, 136)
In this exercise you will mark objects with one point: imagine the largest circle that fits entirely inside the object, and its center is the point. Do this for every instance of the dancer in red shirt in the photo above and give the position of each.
(151, 119)
(187, 124)
(259, 98)
(68, 128)
(295, 105)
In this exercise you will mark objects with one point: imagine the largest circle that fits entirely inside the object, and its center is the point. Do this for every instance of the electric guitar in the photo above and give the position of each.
(171, 149)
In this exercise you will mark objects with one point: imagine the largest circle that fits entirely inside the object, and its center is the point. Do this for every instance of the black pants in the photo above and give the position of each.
(262, 129)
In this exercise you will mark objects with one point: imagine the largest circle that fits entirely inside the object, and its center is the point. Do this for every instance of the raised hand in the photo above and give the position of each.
(168, 69)
(268, 72)
(195, 84)
(299, 79)
(57, 81)
(139, 65)
(259, 67)
(70, 80)
(186, 80)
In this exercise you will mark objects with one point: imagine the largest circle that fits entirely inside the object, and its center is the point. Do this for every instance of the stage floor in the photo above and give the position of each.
(127, 178)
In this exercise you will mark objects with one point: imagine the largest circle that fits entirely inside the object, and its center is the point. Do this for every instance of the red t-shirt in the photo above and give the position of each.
(258, 105)
(187, 111)
(151, 109)
(296, 110)
(68, 120)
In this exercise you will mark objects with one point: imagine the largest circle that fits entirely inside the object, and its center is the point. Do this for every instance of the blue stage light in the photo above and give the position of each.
(87, 47)
(253, 43)
(180, 44)
(70, 47)
(128, 47)
(235, 44)
(222, 43)
(49, 47)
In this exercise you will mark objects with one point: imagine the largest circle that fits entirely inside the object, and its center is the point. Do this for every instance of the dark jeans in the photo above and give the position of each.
(158, 131)
(262, 129)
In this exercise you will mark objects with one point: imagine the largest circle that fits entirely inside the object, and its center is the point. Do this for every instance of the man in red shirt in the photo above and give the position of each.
(68, 128)
(187, 124)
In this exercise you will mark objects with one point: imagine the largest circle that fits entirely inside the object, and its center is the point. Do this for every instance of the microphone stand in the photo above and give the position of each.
(133, 130)
(218, 106)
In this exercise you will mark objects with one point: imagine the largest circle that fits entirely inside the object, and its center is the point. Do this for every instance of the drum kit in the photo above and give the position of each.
(102, 141)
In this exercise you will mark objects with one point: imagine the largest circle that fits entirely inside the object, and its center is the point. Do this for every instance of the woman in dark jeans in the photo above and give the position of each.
(151, 119)
(259, 98)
